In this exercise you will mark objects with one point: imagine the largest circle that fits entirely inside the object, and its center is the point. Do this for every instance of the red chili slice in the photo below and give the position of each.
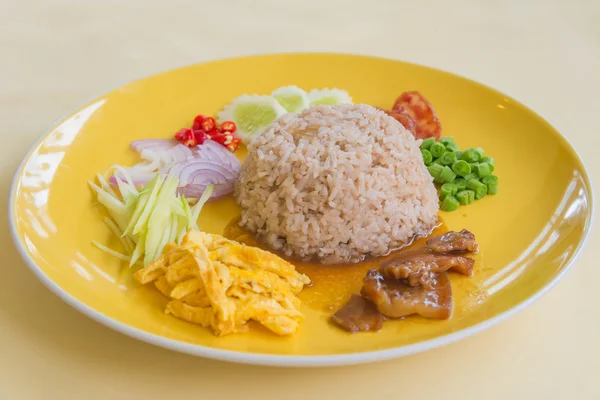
(197, 125)
(200, 136)
(235, 143)
(179, 135)
(208, 124)
(416, 106)
(217, 136)
(188, 138)
(228, 126)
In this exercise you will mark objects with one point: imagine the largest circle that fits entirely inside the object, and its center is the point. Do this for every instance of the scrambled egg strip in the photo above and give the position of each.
(222, 284)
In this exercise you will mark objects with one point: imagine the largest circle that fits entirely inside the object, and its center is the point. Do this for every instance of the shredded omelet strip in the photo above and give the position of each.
(222, 284)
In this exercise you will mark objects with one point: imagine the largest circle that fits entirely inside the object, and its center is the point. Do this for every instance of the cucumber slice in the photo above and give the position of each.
(251, 114)
(292, 98)
(328, 96)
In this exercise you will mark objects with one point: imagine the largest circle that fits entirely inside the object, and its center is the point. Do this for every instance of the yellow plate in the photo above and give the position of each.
(529, 233)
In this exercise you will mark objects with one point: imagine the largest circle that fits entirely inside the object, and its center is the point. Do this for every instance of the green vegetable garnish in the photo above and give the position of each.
(466, 197)
(147, 220)
(292, 98)
(483, 170)
(452, 147)
(488, 160)
(251, 114)
(470, 176)
(471, 156)
(450, 203)
(435, 170)
(448, 158)
(447, 176)
(489, 179)
(448, 189)
(479, 188)
(426, 144)
(461, 183)
(427, 157)
(462, 176)
(461, 168)
(437, 149)
(492, 183)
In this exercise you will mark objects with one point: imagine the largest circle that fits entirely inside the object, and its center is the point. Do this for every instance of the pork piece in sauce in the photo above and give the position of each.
(358, 314)
(453, 242)
(412, 282)
(418, 266)
(396, 298)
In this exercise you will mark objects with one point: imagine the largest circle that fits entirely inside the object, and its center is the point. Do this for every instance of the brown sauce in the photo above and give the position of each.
(332, 285)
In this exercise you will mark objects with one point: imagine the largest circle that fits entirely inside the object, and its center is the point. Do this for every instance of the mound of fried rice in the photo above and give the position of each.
(336, 183)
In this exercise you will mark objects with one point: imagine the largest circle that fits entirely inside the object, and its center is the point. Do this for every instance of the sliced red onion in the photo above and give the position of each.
(138, 177)
(195, 191)
(196, 168)
(154, 144)
(210, 149)
(176, 154)
(218, 173)
(152, 160)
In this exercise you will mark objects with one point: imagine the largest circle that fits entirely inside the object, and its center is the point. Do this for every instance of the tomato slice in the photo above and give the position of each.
(416, 106)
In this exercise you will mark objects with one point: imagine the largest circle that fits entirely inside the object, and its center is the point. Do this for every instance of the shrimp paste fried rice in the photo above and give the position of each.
(336, 183)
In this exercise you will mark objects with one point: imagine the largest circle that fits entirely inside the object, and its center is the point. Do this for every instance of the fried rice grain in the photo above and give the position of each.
(336, 183)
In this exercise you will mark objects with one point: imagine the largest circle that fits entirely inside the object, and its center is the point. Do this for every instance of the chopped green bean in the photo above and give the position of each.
(448, 188)
(466, 197)
(492, 188)
(447, 176)
(489, 179)
(452, 147)
(483, 170)
(471, 176)
(492, 183)
(462, 176)
(437, 149)
(461, 183)
(488, 160)
(426, 144)
(427, 157)
(471, 156)
(450, 203)
(448, 158)
(435, 170)
(461, 168)
(479, 188)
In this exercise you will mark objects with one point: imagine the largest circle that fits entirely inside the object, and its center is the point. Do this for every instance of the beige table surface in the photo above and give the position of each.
(56, 54)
